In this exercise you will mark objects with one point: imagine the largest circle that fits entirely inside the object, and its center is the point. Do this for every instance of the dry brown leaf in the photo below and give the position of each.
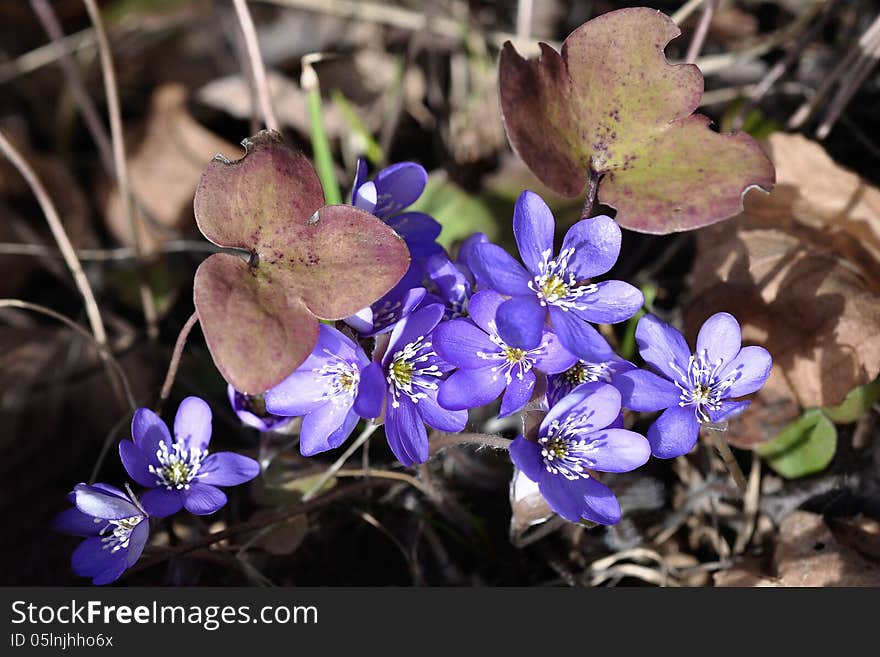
(164, 170)
(807, 554)
(799, 270)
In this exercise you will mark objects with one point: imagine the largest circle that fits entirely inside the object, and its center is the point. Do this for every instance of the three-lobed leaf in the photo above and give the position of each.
(308, 262)
(611, 106)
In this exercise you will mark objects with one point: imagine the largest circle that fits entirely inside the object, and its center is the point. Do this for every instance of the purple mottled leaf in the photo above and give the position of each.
(610, 105)
(308, 261)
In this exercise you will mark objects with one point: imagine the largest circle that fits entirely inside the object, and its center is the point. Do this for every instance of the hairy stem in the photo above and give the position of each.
(175, 360)
(258, 69)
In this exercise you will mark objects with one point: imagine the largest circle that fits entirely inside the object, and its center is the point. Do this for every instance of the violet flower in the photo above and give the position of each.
(251, 409)
(333, 388)
(447, 284)
(691, 389)
(488, 365)
(412, 371)
(181, 473)
(577, 436)
(399, 302)
(394, 189)
(556, 285)
(116, 527)
(583, 371)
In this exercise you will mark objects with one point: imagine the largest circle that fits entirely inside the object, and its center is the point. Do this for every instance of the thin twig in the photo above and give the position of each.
(111, 364)
(45, 55)
(49, 20)
(685, 11)
(61, 238)
(387, 474)
(700, 33)
(175, 360)
(337, 465)
(484, 440)
(257, 66)
(849, 87)
(106, 255)
(254, 525)
(729, 460)
(118, 142)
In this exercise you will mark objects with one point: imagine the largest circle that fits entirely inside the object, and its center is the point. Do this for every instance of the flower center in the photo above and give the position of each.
(567, 449)
(701, 386)
(412, 371)
(509, 358)
(120, 534)
(340, 377)
(177, 466)
(513, 354)
(556, 286)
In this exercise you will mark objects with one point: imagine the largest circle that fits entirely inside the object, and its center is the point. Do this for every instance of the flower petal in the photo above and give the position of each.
(76, 523)
(526, 456)
(496, 269)
(458, 342)
(203, 499)
(98, 503)
(533, 227)
(371, 392)
(662, 347)
(483, 307)
(322, 429)
(728, 410)
(521, 322)
(580, 498)
(300, 393)
(618, 450)
(360, 177)
(612, 302)
(749, 370)
(192, 424)
(579, 337)
(90, 559)
(470, 389)
(398, 186)
(406, 433)
(148, 429)
(466, 252)
(641, 390)
(442, 419)
(411, 328)
(419, 231)
(162, 502)
(554, 358)
(228, 469)
(674, 433)
(518, 393)
(136, 464)
(597, 402)
(366, 196)
(596, 244)
(720, 337)
(136, 542)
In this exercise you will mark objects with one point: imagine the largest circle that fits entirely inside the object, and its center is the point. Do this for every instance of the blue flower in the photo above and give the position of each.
(251, 409)
(447, 284)
(393, 190)
(578, 436)
(557, 285)
(489, 366)
(116, 527)
(181, 473)
(399, 302)
(691, 389)
(335, 386)
(412, 372)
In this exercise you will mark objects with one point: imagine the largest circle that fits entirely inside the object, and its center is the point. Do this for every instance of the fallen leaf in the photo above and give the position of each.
(307, 262)
(611, 104)
(163, 170)
(800, 275)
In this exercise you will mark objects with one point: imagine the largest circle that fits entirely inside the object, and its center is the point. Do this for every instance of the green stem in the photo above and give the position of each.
(320, 143)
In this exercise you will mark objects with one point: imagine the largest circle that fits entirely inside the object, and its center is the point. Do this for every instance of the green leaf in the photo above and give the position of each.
(803, 447)
(308, 261)
(458, 212)
(610, 105)
(857, 402)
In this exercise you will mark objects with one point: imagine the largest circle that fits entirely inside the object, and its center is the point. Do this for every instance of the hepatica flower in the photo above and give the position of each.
(393, 190)
(251, 409)
(180, 473)
(578, 437)
(583, 371)
(116, 528)
(381, 316)
(487, 364)
(557, 285)
(412, 373)
(692, 388)
(333, 389)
